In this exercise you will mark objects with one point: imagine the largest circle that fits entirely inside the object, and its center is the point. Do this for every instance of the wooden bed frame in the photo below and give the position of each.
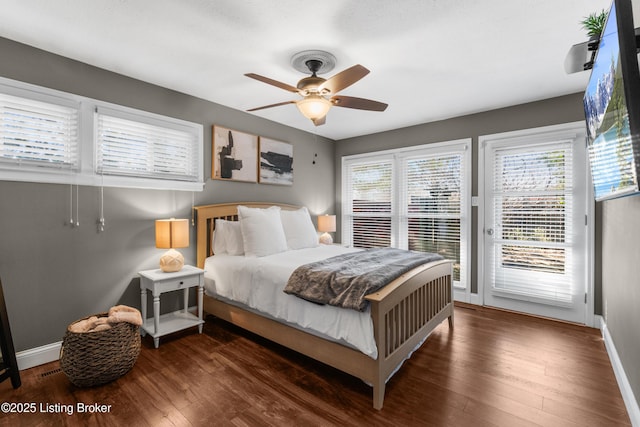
(404, 312)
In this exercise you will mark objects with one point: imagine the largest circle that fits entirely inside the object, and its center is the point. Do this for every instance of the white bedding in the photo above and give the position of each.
(258, 282)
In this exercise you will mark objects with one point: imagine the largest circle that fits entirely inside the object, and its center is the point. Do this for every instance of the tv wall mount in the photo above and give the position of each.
(586, 51)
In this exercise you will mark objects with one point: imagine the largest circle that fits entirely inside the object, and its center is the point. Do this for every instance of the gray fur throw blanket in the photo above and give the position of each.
(345, 280)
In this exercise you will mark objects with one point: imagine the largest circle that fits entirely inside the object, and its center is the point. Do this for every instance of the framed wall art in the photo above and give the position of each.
(234, 155)
(276, 162)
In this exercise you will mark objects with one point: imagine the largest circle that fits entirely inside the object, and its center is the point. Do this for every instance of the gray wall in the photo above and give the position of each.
(536, 114)
(53, 274)
(621, 281)
(620, 261)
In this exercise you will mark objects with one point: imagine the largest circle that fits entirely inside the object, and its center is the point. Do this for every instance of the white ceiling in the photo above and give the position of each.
(429, 59)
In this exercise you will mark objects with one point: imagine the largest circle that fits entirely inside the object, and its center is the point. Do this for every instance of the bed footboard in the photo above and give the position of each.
(404, 313)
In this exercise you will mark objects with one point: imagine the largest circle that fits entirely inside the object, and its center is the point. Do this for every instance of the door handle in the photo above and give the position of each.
(490, 231)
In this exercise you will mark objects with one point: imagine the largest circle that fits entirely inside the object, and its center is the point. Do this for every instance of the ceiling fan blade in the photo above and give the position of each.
(272, 105)
(344, 79)
(320, 121)
(272, 82)
(358, 103)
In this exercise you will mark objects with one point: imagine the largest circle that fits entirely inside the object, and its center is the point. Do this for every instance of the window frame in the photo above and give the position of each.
(399, 221)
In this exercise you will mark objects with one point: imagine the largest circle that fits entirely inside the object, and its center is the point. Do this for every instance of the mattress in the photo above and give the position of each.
(257, 283)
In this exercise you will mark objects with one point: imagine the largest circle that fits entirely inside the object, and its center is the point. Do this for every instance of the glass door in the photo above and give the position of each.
(535, 245)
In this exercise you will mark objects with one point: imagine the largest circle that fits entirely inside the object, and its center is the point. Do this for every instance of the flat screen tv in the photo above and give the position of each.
(612, 108)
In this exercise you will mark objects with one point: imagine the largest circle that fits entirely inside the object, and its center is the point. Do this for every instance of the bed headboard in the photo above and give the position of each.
(205, 223)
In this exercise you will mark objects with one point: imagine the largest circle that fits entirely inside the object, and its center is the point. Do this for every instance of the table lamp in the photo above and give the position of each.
(326, 225)
(170, 234)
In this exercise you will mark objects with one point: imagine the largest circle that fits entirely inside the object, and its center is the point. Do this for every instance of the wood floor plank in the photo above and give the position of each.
(505, 416)
(601, 418)
(494, 369)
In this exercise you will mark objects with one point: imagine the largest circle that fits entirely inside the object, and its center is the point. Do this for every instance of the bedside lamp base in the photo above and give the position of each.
(171, 261)
(326, 239)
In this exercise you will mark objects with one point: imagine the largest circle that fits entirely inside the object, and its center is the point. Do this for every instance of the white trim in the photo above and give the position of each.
(476, 299)
(598, 322)
(633, 410)
(591, 317)
(94, 180)
(479, 296)
(443, 146)
(461, 294)
(38, 356)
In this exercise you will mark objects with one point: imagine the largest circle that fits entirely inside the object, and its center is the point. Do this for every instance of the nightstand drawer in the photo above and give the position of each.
(178, 283)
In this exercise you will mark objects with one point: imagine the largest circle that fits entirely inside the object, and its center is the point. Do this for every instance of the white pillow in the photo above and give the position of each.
(218, 238)
(298, 229)
(227, 238)
(262, 232)
(233, 238)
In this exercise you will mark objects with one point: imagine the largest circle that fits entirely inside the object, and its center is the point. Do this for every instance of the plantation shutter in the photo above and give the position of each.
(368, 218)
(432, 204)
(533, 204)
(135, 148)
(35, 133)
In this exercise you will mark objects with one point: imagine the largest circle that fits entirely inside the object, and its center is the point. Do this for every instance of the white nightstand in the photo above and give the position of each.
(159, 282)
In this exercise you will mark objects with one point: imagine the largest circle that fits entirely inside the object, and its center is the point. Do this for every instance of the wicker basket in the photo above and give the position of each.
(95, 358)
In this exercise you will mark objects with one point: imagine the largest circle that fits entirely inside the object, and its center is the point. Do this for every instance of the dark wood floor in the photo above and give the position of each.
(494, 369)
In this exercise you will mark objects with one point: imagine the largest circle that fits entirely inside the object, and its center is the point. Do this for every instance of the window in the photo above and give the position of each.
(369, 194)
(139, 148)
(38, 134)
(416, 199)
(431, 202)
(46, 136)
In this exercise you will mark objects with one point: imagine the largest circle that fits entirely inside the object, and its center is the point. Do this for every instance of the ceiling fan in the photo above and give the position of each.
(319, 94)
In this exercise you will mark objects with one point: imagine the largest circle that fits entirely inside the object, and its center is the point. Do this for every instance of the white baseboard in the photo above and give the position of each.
(38, 356)
(475, 299)
(625, 388)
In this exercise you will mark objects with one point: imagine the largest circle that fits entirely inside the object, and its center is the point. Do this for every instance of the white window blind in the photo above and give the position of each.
(40, 134)
(432, 204)
(369, 199)
(533, 202)
(135, 148)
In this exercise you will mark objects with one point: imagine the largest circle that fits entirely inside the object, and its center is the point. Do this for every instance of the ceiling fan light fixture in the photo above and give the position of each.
(314, 107)
(320, 94)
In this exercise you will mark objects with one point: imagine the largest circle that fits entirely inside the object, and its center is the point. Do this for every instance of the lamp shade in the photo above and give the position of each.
(327, 223)
(172, 233)
(314, 106)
